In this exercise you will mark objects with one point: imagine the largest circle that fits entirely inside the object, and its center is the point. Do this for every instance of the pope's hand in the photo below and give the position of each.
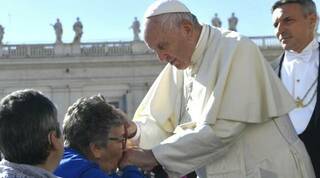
(131, 128)
(131, 132)
(139, 157)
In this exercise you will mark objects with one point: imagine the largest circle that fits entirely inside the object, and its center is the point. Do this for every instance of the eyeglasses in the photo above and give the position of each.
(118, 139)
(123, 138)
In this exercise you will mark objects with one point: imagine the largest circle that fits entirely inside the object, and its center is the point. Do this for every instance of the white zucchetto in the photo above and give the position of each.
(165, 6)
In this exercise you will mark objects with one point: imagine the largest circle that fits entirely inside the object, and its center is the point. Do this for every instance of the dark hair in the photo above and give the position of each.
(308, 6)
(89, 120)
(26, 119)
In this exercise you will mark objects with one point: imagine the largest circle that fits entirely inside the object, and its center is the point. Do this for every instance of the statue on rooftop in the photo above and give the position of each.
(78, 29)
(136, 29)
(58, 30)
(233, 21)
(216, 22)
(1, 34)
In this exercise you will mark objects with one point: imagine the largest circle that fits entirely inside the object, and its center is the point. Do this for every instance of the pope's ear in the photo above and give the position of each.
(186, 27)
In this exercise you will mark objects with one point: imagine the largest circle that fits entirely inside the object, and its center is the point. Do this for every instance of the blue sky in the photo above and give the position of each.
(28, 21)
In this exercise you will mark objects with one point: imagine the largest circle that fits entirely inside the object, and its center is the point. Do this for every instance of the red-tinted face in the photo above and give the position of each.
(109, 156)
(175, 47)
(293, 28)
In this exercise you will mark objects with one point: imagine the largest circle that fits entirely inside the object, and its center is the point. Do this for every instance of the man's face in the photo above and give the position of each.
(55, 140)
(293, 28)
(174, 47)
(111, 154)
(60, 149)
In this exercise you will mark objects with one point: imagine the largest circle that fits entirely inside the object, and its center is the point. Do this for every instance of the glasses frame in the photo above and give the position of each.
(126, 125)
(123, 138)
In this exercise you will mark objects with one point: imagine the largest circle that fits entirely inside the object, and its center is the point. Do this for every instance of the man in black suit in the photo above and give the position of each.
(295, 24)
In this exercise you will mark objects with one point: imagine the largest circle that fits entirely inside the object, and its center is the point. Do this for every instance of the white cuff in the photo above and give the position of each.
(136, 138)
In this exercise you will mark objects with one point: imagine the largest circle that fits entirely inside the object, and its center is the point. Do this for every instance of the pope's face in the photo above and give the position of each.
(293, 27)
(172, 46)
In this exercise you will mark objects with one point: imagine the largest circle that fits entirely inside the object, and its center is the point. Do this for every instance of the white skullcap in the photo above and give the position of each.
(165, 6)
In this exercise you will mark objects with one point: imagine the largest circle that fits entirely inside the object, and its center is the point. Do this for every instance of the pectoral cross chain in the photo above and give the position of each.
(299, 103)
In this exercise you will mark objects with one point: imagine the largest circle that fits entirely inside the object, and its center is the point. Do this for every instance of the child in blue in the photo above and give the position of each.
(95, 137)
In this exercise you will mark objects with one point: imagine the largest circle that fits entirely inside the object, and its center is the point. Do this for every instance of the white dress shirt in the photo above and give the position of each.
(298, 73)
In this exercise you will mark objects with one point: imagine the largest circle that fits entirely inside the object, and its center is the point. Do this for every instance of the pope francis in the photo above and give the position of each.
(216, 108)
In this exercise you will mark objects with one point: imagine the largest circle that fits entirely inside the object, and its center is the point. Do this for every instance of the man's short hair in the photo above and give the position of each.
(26, 119)
(308, 6)
(89, 120)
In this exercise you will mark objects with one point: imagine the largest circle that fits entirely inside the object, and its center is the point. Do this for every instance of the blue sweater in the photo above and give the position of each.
(75, 165)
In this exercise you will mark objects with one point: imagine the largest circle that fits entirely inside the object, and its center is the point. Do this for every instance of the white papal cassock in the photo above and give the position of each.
(225, 116)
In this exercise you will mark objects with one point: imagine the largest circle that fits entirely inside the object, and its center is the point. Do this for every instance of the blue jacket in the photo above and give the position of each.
(75, 165)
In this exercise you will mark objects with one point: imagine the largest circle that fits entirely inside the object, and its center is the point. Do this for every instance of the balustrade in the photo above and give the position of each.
(98, 49)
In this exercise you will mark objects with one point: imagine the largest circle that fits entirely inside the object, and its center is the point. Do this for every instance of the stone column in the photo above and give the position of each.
(134, 96)
(61, 97)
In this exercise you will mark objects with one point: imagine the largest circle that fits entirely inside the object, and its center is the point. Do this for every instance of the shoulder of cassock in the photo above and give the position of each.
(247, 89)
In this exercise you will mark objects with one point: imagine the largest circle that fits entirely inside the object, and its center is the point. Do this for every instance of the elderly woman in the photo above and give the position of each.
(95, 138)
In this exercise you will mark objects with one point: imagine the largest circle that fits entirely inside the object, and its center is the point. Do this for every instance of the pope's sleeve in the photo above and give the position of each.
(189, 150)
(159, 110)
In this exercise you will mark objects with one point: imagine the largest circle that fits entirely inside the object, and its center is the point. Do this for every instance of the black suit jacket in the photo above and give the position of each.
(311, 135)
